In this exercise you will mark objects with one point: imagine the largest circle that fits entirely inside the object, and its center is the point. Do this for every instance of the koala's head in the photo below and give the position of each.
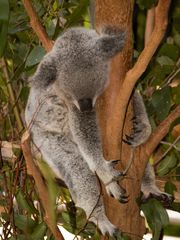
(78, 64)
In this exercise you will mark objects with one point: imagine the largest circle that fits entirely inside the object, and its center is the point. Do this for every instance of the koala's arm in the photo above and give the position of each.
(86, 134)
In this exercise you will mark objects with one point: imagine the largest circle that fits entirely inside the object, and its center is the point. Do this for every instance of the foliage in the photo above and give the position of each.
(22, 215)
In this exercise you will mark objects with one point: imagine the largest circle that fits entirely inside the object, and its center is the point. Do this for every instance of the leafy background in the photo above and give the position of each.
(22, 216)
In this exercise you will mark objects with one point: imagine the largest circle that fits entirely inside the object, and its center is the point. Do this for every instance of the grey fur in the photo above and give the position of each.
(69, 79)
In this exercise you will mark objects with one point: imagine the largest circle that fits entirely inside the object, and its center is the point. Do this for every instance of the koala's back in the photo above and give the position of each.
(46, 112)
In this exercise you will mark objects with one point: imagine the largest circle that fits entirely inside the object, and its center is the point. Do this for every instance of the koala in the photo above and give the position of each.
(61, 117)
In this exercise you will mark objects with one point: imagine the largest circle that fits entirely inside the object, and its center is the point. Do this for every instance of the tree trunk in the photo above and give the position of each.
(126, 217)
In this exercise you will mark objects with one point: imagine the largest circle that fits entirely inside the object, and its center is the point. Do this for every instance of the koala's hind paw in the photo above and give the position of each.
(116, 191)
(165, 198)
(141, 132)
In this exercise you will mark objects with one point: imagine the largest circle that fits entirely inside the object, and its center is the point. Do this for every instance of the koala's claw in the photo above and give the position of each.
(116, 191)
(114, 162)
(126, 141)
(124, 199)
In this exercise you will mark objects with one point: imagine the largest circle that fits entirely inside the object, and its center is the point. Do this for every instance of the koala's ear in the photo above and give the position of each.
(46, 72)
(110, 42)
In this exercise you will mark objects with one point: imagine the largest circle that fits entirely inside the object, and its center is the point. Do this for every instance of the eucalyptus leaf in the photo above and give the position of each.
(169, 50)
(4, 10)
(167, 164)
(24, 223)
(146, 4)
(165, 60)
(39, 231)
(170, 188)
(176, 94)
(23, 203)
(156, 216)
(35, 56)
(4, 19)
(161, 101)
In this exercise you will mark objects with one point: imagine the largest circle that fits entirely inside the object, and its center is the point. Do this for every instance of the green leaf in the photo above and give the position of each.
(169, 50)
(156, 216)
(23, 203)
(39, 231)
(4, 19)
(176, 94)
(145, 4)
(177, 39)
(81, 218)
(4, 10)
(161, 101)
(35, 56)
(165, 60)
(170, 188)
(166, 165)
(3, 36)
(78, 12)
(66, 217)
(24, 223)
(176, 21)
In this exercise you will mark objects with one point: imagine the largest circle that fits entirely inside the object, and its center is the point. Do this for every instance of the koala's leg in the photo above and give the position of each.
(150, 189)
(63, 156)
(141, 125)
(142, 130)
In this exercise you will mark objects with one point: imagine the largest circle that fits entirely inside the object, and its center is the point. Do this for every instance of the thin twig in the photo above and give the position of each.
(166, 152)
(158, 134)
(37, 26)
(42, 189)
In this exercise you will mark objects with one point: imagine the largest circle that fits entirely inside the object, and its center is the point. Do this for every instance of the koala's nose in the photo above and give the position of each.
(85, 104)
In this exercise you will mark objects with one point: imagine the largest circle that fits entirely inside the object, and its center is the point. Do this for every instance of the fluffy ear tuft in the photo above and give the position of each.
(110, 42)
(45, 73)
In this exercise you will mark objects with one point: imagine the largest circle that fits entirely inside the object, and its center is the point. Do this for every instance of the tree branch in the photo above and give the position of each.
(149, 24)
(159, 133)
(117, 119)
(42, 189)
(37, 26)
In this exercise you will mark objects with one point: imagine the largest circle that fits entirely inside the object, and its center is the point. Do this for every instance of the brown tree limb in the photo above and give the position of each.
(119, 110)
(149, 24)
(158, 134)
(42, 189)
(37, 26)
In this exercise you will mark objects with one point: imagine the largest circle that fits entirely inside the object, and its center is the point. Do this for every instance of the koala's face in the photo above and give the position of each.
(82, 85)
(78, 65)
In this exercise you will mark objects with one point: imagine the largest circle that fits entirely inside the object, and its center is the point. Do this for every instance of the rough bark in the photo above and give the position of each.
(112, 107)
(126, 217)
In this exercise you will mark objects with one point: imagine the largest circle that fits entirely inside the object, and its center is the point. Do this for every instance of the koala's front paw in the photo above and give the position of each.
(141, 132)
(153, 192)
(116, 191)
(107, 173)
